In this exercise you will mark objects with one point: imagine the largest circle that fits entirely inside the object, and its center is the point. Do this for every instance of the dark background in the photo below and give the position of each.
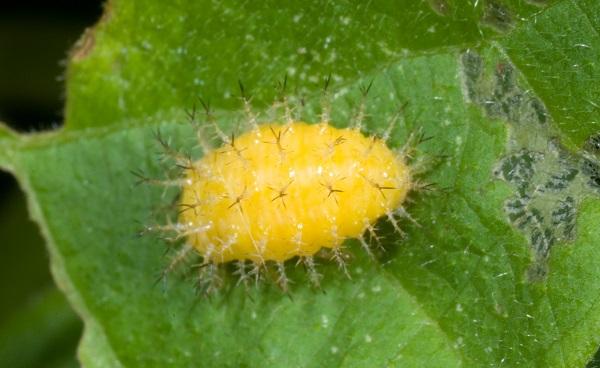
(37, 326)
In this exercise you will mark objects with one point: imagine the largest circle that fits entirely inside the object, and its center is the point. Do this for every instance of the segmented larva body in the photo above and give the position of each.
(281, 191)
(284, 191)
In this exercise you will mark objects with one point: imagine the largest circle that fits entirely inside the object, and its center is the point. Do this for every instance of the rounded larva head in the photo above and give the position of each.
(280, 191)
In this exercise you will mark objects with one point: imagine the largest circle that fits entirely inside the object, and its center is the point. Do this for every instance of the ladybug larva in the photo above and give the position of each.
(285, 190)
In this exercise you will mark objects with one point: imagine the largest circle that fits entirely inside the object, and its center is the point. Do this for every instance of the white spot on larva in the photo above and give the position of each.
(458, 140)
(368, 338)
(376, 289)
(459, 308)
(334, 349)
(253, 315)
(296, 18)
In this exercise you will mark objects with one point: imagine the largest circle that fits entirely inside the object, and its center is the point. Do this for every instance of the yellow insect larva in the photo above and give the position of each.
(282, 191)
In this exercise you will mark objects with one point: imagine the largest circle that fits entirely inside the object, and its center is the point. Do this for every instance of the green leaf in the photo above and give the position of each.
(561, 64)
(501, 269)
(7, 137)
(147, 58)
